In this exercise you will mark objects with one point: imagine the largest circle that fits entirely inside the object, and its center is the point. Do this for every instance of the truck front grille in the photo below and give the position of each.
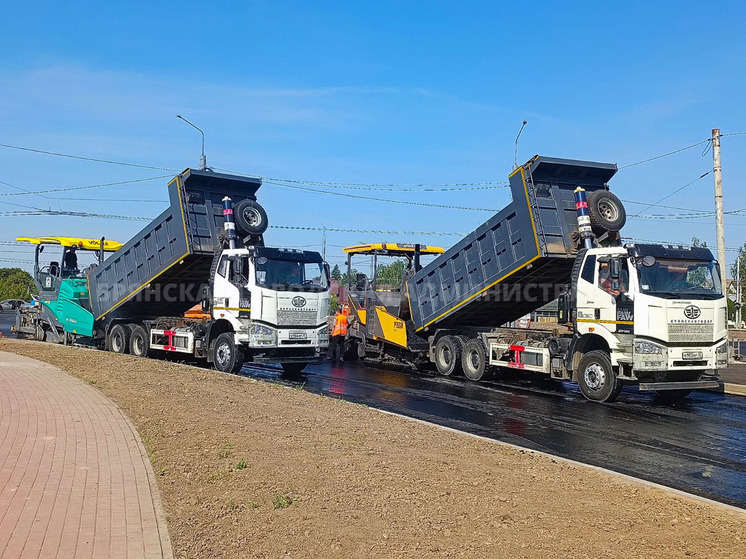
(691, 332)
(296, 318)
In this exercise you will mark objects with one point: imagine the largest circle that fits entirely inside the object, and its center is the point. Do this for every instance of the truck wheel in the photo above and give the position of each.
(292, 369)
(250, 217)
(596, 377)
(474, 360)
(227, 357)
(606, 211)
(118, 339)
(139, 342)
(448, 355)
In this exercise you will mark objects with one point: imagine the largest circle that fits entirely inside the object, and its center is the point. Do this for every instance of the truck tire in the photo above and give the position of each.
(250, 217)
(292, 369)
(606, 211)
(596, 377)
(227, 357)
(474, 360)
(448, 355)
(139, 342)
(118, 339)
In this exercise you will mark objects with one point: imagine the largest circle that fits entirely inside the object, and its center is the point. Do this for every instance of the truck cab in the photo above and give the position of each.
(658, 310)
(275, 301)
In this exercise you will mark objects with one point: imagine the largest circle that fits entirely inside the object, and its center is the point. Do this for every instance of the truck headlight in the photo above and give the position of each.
(262, 335)
(647, 347)
(721, 353)
(323, 336)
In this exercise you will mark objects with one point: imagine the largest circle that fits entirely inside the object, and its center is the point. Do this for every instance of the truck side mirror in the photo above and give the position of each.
(563, 308)
(206, 299)
(237, 270)
(328, 272)
(614, 269)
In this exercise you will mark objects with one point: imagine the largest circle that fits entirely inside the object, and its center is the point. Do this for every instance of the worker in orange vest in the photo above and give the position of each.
(339, 333)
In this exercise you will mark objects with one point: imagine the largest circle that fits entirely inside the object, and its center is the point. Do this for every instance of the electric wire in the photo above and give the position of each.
(371, 198)
(73, 188)
(108, 161)
(703, 175)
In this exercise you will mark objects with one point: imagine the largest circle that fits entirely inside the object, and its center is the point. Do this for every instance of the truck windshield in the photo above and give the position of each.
(290, 275)
(688, 279)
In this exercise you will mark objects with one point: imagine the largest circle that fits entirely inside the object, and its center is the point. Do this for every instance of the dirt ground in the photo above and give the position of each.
(252, 469)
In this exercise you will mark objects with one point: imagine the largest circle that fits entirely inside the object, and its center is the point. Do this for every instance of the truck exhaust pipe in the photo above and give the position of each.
(230, 226)
(584, 220)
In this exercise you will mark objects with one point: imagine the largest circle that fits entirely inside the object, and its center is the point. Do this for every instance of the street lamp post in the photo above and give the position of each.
(202, 159)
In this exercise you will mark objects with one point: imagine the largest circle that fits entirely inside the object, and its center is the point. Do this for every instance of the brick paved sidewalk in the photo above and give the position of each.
(75, 480)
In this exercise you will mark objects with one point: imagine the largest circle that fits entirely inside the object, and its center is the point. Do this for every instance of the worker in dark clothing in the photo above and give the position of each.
(70, 263)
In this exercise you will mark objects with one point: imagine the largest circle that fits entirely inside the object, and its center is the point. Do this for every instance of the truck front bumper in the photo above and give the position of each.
(653, 357)
(685, 385)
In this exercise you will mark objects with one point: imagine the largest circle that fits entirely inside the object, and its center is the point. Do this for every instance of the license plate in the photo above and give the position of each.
(690, 355)
(298, 335)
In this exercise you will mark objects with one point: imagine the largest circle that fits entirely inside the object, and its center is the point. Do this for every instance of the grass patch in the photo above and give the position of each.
(226, 451)
(282, 501)
(216, 476)
(241, 465)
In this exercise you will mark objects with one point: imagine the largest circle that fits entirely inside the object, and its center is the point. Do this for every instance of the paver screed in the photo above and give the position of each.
(75, 480)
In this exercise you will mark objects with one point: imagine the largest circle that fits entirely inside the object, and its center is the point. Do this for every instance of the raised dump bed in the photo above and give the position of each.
(517, 260)
(159, 272)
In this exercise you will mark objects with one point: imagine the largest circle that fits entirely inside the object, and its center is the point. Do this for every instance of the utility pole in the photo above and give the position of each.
(720, 228)
(323, 244)
(738, 292)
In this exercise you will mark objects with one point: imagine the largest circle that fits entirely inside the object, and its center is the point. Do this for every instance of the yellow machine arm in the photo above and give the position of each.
(85, 244)
(391, 249)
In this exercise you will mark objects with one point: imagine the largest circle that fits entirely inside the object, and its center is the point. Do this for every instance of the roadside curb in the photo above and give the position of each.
(729, 388)
(735, 389)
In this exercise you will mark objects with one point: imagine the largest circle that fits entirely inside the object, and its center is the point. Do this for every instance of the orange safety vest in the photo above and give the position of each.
(340, 325)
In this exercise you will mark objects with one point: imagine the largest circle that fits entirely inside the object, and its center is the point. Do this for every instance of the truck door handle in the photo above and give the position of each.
(589, 302)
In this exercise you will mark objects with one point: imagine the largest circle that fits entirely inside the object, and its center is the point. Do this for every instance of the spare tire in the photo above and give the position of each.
(250, 217)
(606, 211)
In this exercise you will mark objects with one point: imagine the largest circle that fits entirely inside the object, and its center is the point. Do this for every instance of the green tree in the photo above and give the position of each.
(336, 274)
(344, 278)
(697, 243)
(334, 304)
(735, 273)
(16, 284)
(391, 274)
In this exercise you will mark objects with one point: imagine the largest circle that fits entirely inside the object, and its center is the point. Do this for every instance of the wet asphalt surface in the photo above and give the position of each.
(697, 445)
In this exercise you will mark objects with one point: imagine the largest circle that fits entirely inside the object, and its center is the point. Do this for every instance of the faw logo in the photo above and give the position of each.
(299, 301)
(692, 312)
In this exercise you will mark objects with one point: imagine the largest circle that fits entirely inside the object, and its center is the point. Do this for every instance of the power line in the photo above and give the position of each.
(703, 175)
(108, 161)
(663, 155)
(21, 189)
(359, 197)
(289, 227)
(72, 188)
(377, 231)
(662, 206)
(423, 187)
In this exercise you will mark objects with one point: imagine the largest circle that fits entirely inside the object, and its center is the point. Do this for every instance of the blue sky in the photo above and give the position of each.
(364, 92)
